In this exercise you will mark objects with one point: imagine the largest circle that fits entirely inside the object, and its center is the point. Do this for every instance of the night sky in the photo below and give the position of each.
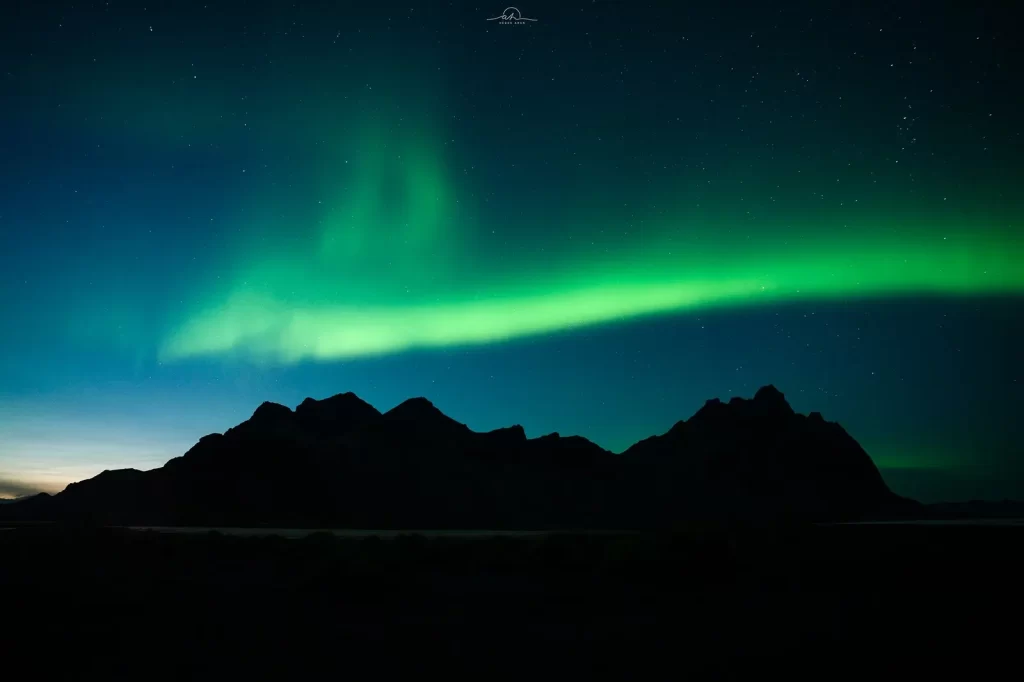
(589, 223)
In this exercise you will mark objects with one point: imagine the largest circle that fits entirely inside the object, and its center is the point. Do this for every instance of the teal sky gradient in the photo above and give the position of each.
(591, 224)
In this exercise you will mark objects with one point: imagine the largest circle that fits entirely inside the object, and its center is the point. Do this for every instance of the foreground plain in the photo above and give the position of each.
(837, 600)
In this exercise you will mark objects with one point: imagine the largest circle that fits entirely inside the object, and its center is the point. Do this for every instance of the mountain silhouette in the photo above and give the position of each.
(339, 462)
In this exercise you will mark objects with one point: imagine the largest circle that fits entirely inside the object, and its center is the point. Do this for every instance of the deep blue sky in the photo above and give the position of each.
(588, 224)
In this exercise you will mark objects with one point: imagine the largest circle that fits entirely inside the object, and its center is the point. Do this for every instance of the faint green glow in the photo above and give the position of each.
(888, 456)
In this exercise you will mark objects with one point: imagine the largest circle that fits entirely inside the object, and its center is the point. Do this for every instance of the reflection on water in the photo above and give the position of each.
(936, 522)
(347, 533)
(294, 533)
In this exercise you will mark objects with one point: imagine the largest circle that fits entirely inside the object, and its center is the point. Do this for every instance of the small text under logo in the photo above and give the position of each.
(511, 15)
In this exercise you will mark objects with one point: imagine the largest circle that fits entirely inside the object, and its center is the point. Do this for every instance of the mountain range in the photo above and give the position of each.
(341, 463)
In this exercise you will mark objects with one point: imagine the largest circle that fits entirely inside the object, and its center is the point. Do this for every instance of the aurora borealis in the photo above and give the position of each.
(297, 325)
(588, 224)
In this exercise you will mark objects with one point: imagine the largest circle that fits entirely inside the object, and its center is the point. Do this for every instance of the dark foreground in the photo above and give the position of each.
(826, 602)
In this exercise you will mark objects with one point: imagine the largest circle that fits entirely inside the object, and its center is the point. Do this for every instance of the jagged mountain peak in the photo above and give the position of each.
(422, 412)
(773, 399)
(270, 411)
(343, 409)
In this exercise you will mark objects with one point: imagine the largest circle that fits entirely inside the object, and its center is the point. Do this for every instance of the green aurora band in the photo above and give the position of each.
(289, 331)
(391, 267)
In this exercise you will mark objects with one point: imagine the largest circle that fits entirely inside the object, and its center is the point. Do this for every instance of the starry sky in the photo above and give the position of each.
(588, 223)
